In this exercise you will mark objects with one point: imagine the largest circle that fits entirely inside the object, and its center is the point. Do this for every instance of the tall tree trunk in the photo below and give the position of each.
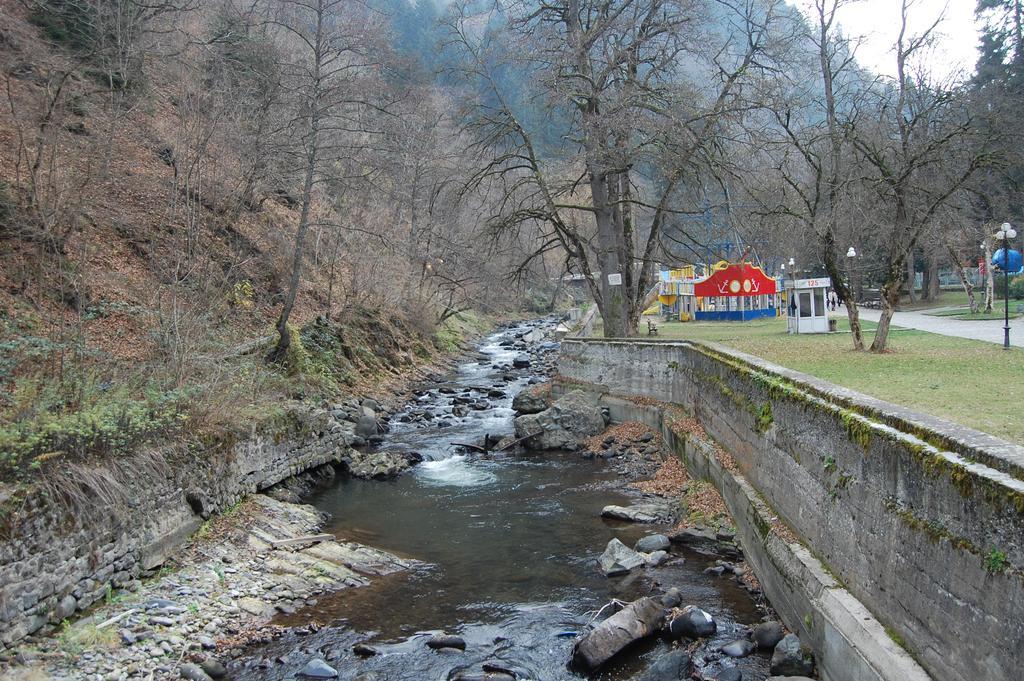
(842, 289)
(890, 300)
(614, 302)
(841, 286)
(932, 286)
(911, 280)
(315, 102)
(990, 284)
(283, 338)
(965, 281)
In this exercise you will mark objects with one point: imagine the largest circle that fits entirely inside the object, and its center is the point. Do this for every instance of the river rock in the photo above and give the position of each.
(768, 634)
(318, 669)
(739, 648)
(619, 559)
(638, 620)
(634, 514)
(439, 641)
(193, 673)
(789, 678)
(65, 608)
(652, 542)
(692, 623)
(532, 400)
(790, 659)
(674, 665)
(469, 675)
(672, 598)
(729, 674)
(366, 424)
(253, 606)
(376, 465)
(213, 668)
(364, 650)
(571, 418)
(693, 536)
(655, 558)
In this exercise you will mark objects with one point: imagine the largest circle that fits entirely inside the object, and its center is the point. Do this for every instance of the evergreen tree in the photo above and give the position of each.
(1001, 61)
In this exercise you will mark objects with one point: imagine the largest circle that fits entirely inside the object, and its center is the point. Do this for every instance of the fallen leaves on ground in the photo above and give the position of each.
(669, 481)
(627, 432)
(704, 505)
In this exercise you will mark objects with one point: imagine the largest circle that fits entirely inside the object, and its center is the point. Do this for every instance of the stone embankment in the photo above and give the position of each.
(91, 531)
(241, 569)
(889, 541)
(663, 493)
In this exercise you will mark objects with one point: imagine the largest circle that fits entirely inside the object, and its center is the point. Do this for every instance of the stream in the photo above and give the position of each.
(507, 547)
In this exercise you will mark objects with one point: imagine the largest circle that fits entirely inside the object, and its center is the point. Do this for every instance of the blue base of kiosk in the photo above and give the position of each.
(734, 315)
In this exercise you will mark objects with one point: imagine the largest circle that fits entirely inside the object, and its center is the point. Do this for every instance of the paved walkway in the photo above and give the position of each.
(984, 330)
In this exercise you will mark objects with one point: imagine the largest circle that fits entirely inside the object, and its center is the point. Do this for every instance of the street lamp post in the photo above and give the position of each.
(1005, 233)
(792, 320)
(851, 253)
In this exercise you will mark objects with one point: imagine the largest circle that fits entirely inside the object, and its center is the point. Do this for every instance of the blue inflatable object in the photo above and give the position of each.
(1013, 267)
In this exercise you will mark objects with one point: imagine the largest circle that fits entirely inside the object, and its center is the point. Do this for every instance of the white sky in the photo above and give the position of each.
(878, 22)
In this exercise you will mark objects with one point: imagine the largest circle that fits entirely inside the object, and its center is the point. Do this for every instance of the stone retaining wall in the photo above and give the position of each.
(64, 548)
(920, 520)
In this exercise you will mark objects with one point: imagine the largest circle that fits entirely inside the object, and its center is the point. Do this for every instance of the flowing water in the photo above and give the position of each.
(507, 545)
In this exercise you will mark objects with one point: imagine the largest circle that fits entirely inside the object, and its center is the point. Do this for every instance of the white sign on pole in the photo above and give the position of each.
(615, 279)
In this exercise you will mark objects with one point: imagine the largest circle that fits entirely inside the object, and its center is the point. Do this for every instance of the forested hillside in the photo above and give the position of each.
(159, 160)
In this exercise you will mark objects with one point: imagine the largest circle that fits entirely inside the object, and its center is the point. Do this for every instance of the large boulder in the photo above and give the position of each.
(376, 465)
(739, 648)
(571, 418)
(318, 669)
(645, 512)
(439, 641)
(533, 399)
(366, 425)
(652, 542)
(674, 665)
(619, 559)
(638, 620)
(790, 658)
(692, 623)
(768, 634)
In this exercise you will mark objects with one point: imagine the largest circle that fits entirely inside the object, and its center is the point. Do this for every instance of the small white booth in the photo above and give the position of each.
(806, 305)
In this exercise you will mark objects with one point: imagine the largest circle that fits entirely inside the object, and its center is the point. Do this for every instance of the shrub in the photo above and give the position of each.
(6, 205)
(296, 359)
(241, 295)
(71, 23)
(41, 425)
(1016, 287)
(995, 561)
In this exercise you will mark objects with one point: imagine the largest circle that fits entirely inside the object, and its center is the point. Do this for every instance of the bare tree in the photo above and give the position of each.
(920, 146)
(806, 146)
(329, 52)
(644, 92)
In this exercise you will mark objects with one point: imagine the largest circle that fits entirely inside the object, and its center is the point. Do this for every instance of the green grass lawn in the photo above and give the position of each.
(970, 382)
(945, 299)
(965, 313)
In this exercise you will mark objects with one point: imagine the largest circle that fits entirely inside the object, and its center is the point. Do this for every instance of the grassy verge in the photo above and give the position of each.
(970, 382)
(997, 314)
(99, 411)
(945, 299)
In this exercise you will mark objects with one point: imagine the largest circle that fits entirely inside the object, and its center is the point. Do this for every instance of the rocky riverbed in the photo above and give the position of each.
(502, 552)
(238, 572)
